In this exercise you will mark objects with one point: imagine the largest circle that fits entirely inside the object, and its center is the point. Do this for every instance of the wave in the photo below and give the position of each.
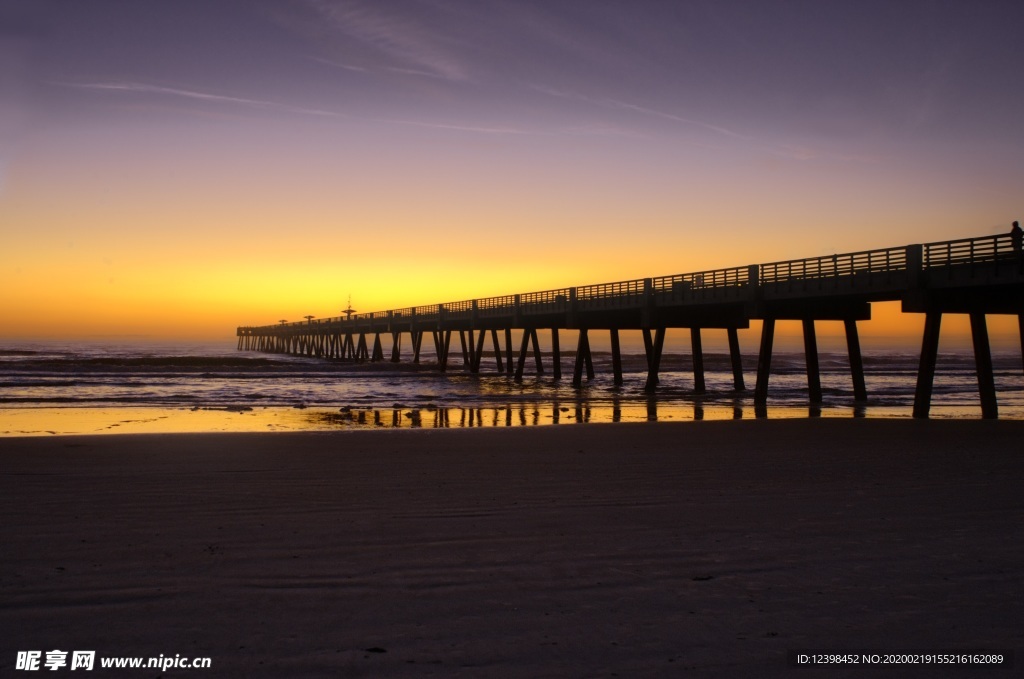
(215, 377)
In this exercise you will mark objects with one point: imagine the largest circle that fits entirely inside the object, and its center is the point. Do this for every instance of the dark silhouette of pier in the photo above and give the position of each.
(974, 276)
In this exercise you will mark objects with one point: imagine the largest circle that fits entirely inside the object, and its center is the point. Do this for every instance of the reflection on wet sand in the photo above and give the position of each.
(533, 414)
(62, 421)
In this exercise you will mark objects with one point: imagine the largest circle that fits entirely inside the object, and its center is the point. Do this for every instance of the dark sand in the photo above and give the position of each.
(708, 549)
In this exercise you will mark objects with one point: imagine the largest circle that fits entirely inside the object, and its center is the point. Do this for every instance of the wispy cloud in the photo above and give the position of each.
(602, 130)
(413, 47)
(389, 69)
(413, 71)
(804, 152)
(622, 105)
(338, 64)
(461, 128)
(143, 88)
(798, 152)
(669, 116)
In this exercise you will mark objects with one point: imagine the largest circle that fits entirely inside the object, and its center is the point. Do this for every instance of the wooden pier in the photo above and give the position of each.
(974, 276)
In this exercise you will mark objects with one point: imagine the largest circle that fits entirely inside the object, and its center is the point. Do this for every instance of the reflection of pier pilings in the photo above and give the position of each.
(649, 408)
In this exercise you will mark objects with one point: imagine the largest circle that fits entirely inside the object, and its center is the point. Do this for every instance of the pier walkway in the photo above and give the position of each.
(974, 276)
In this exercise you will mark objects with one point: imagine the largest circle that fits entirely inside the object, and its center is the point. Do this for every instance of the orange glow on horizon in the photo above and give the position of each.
(195, 245)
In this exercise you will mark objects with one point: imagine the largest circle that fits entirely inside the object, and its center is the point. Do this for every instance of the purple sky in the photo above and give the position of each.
(724, 133)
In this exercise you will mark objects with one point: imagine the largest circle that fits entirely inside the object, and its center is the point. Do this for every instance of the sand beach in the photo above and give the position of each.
(704, 548)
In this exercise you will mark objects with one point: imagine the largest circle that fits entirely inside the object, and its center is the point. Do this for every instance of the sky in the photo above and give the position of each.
(176, 169)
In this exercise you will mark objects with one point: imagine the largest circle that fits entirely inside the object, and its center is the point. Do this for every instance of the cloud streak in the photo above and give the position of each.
(669, 116)
(143, 88)
(801, 153)
(413, 47)
(338, 64)
(461, 128)
(622, 105)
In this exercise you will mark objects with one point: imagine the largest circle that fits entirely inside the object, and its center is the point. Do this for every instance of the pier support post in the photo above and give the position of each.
(983, 366)
(478, 351)
(616, 357)
(417, 342)
(396, 347)
(926, 368)
(508, 348)
(1020, 327)
(556, 356)
(764, 361)
(811, 358)
(648, 345)
(737, 360)
(497, 350)
(654, 359)
(442, 342)
(378, 348)
(521, 363)
(467, 360)
(860, 390)
(536, 351)
(474, 364)
(697, 352)
(582, 357)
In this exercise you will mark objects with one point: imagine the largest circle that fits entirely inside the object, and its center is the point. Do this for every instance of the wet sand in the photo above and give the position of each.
(710, 548)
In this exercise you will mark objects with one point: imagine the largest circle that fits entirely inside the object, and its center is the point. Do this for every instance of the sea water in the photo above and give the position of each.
(109, 387)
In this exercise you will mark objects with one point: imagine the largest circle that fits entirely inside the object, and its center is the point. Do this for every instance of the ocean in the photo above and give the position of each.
(49, 388)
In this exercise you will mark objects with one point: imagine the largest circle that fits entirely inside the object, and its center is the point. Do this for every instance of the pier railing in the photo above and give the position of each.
(718, 285)
(969, 251)
(835, 266)
(963, 261)
(881, 270)
(617, 295)
(503, 305)
(548, 301)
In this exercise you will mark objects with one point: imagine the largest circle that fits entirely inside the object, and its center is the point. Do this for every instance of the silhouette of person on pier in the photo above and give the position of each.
(1017, 235)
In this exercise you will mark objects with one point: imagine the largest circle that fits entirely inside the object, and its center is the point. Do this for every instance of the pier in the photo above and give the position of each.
(973, 276)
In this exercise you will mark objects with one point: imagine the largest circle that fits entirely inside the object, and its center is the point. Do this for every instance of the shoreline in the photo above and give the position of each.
(644, 549)
(105, 421)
